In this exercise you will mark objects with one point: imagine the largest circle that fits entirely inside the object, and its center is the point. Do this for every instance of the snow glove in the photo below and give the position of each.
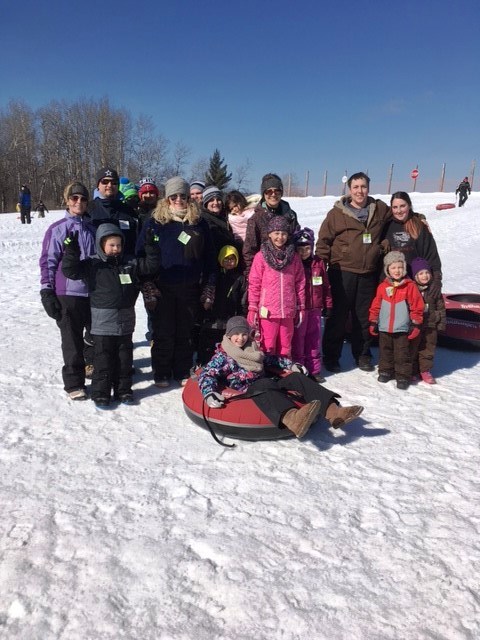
(51, 304)
(215, 400)
(414, 331)
(71, 245)
(300, 368)
(151, 242)
(435, 289)
(373, 329)
(252, 317)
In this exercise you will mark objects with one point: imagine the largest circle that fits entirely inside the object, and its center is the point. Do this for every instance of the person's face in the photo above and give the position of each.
(108, 188)
(395, 270)
(359, 192)
(196, 195)
(278, 238)
(215, 205)
(400, 209)
(77, 205)
(235, 208)
(423, 277)
(304, 251)
(149, 198)
(178, 201)
(113, 246)
(239, 339)
(229, 263)
(272, 197)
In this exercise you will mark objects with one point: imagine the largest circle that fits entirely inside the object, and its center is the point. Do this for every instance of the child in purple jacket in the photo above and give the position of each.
(318, 301)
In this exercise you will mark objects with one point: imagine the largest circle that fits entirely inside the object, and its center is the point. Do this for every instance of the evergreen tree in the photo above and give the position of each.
(217, 172)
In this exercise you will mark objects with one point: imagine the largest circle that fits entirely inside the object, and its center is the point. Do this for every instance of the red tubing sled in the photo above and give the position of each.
(240, 419)
(463, 320)
(445, 205)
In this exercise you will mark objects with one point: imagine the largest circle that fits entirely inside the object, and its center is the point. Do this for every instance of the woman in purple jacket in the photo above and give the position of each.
(65, 300)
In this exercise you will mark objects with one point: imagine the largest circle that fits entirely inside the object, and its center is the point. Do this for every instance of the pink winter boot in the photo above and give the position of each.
(427, 377)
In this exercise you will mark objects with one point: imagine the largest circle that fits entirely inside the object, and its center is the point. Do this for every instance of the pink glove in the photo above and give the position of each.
(252, 318)
(299, 319)
(414, 333)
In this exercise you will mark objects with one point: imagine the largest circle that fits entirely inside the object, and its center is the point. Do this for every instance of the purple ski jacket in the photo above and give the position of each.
(51, 276)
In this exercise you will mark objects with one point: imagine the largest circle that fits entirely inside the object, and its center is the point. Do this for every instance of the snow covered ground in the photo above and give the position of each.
(135, 524)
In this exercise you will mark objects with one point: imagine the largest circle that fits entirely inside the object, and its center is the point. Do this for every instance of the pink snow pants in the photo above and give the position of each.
(306, 341)
(276, 335)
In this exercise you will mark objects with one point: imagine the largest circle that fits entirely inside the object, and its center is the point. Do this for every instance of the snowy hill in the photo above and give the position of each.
(135, 524)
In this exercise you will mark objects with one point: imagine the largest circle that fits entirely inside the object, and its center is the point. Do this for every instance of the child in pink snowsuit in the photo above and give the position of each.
(276, 289)
(318, 299)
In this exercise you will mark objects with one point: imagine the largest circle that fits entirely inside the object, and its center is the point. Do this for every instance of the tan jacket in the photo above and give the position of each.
(348, 244)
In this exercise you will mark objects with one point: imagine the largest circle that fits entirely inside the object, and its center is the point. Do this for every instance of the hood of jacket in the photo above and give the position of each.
(104, 230)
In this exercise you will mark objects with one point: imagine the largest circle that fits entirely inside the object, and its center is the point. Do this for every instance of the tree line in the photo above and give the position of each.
(48, 147)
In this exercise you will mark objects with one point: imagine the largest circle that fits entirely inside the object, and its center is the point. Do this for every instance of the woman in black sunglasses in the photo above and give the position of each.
(65, 300)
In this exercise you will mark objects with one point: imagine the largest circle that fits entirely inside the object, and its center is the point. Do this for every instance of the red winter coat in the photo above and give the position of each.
(318, 294)
(396, 306)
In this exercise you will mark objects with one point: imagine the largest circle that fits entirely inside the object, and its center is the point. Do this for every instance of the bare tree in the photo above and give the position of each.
(198, 169)
(241, 176)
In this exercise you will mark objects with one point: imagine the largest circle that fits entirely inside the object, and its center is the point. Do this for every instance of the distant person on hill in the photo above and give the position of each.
(349, 242)
(107, 207)
(25, 202)
(463, 191)
(41, 208)
(271, 205)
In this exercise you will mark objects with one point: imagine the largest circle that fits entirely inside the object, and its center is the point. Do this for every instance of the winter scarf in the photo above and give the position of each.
(178, 214)
(249, 357)
(277, 258)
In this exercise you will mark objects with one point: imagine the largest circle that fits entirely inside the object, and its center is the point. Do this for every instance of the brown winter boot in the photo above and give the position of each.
(340, 416)
(300, 420)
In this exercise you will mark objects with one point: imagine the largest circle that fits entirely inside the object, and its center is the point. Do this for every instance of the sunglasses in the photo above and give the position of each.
(176, 196)
(273, 192)
(75, 198)
(108, 181)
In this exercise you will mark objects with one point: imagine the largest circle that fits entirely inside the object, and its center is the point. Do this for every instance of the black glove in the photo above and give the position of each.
(151, 241)
(373, 329)
(70, 244)
(51, 304)
(435, 289)
(327, 313)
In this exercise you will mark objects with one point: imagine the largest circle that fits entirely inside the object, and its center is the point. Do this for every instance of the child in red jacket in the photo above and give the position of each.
(396, 315)
(318, 301)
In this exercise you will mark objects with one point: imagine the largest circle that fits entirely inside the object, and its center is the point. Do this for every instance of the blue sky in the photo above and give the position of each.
(292, 86)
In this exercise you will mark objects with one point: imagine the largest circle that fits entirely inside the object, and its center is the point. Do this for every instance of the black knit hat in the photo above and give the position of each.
(108, 172)
(271, 181)
(237, 324)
